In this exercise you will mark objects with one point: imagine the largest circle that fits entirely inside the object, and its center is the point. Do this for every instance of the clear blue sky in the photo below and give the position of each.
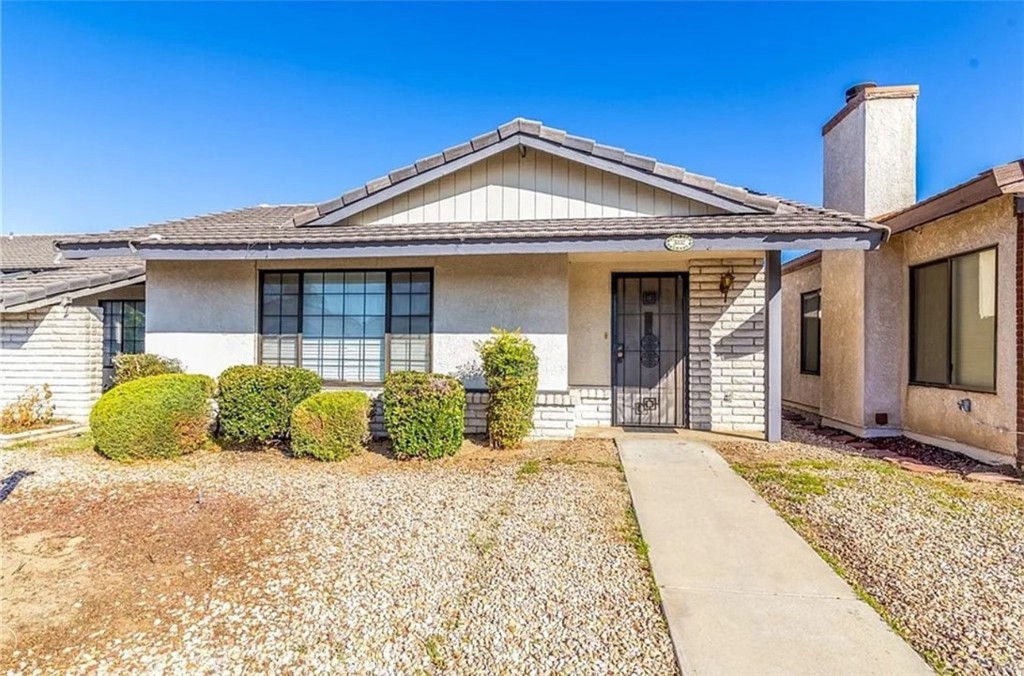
(126, 113)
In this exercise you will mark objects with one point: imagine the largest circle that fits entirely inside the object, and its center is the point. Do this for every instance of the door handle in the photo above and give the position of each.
(620, 352)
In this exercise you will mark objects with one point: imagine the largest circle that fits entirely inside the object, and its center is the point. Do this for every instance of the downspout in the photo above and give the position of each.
(1018, 204)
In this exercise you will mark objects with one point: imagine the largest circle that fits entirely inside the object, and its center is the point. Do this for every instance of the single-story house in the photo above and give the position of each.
(62, 321)
(925, 335)
(652, 293)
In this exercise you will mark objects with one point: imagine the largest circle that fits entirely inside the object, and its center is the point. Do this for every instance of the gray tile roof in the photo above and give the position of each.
(520, 126)
(288, 224)
(254, 226)
(32, 274)
(27, 252)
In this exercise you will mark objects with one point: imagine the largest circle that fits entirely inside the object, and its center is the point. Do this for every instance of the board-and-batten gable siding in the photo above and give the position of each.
(509, 186)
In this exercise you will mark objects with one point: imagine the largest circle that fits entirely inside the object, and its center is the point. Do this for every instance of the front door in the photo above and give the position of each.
(649, 349)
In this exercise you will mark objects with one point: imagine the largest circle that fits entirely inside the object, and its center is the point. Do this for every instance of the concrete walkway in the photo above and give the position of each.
(743, 593)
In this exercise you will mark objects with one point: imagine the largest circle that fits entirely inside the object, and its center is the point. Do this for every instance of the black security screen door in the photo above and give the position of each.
(649, 350)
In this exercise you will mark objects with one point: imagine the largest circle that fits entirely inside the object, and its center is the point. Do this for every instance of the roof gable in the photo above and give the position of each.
(528, 134)
(525, 184)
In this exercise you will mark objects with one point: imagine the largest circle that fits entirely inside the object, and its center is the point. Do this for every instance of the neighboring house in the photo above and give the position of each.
(651, 293)
(61, 321)
(925, 336)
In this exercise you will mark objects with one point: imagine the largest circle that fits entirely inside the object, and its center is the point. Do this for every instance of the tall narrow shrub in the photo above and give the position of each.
(510, 370)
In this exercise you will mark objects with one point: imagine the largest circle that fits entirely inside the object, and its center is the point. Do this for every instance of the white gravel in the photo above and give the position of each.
(401, 568)
(943, 556)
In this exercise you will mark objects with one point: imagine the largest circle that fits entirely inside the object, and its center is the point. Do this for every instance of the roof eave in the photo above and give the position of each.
(996, 182)
(53, 299)
(866, 240)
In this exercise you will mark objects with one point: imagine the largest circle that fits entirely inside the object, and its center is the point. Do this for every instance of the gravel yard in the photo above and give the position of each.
(943, 557)
(514, 562)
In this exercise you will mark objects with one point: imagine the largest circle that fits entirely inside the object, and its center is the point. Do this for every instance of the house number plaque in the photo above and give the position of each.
(679, 243)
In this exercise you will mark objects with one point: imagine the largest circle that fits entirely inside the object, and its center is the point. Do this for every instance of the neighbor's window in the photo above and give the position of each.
(348, 326)
(953, 322)
(124, 328)
(810, 332)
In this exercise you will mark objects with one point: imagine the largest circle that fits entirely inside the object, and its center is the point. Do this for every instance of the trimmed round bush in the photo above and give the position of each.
(153, 417)
(331, 425)
(129, 367)
(255, 403)
(424, 414)
(510, 368)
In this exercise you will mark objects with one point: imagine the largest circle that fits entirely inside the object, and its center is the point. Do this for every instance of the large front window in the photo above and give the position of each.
(348, 326)
(953, 322)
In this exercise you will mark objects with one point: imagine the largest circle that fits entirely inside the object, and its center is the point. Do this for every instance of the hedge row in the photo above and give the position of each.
(161, 416)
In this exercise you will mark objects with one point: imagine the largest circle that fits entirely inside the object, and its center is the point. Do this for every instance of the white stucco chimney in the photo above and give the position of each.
(871, 151)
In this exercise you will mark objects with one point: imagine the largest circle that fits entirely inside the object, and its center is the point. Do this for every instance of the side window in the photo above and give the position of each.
(810, 332)
(953, 322)
(124, 328)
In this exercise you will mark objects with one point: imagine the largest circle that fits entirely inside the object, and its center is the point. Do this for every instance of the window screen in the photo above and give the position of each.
(348, 325)
(953, 321)
(810, 332)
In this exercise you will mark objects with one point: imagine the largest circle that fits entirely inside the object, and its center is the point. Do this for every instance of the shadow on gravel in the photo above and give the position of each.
(11, 482)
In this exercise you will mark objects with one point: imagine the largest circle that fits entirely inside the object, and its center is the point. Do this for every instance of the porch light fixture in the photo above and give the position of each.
(725, 283)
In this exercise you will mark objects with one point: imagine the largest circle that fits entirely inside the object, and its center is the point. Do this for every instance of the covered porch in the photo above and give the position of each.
(667, 339)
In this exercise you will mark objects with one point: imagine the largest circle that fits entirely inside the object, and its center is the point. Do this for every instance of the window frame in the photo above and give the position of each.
(803, 334)
(301, 272)
(912, 331)
(105, 306)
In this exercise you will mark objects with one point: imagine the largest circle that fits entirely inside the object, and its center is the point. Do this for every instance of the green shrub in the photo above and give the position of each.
(153, 417)
(255, 403)
(133, 366)
(331, 425)
(510, 370)
(424, 414)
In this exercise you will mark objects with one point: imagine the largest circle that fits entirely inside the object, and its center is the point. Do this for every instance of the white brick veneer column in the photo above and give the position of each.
(58, 346)
(727, 384)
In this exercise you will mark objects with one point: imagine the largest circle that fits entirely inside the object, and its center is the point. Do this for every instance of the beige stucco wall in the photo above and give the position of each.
(933, 411)
(885, 278)
(842, 337)
(801, 390)
(205, 313)
(870, 157)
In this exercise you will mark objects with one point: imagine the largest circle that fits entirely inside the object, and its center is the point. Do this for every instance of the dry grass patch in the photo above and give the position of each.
(485, 562)
(941, 558)
(103, 563)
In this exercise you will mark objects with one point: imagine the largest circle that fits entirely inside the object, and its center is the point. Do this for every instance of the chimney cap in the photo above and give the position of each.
(858, 88)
